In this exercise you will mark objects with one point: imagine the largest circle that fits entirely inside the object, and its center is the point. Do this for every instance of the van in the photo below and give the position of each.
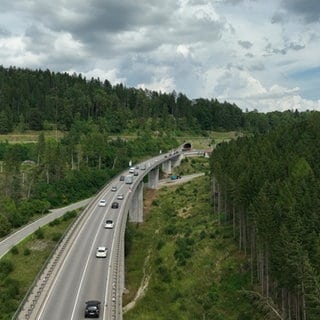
(128, 179)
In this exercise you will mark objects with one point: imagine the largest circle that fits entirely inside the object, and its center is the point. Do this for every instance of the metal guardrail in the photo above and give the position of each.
(115, 281)
(51, 266)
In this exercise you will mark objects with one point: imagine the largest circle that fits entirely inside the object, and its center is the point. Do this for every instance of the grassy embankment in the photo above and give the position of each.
(189, 265)
(30, 136)
(197, 142)
(210, 140)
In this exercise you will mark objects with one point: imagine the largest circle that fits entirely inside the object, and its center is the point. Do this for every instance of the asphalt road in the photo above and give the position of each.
(82, 276)
(183, 179)
(7, 243)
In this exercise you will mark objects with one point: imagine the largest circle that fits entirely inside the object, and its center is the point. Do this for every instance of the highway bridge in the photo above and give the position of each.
(73, 274)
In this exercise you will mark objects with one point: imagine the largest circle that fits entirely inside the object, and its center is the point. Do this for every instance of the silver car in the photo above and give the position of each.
(101, 252)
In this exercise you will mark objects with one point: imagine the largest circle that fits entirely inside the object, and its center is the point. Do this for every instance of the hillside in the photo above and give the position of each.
(45, 100)
(189, 264)
(269, 191)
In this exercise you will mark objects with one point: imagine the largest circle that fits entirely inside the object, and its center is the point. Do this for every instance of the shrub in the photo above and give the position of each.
(6, 267)
(202, 235)
(184, 250)
(158, 261)
(5, 226)
(213, 293)
(55, 222)
(14, 250)
(160, 244)
(56, 236)
(26, 252)
(155, 202)
(170, 230)
(69, 215)
(164, 273)
(190, 241)
(12, 288)
(180, 191)
(36, 206)
(39, 233)
(17, 219)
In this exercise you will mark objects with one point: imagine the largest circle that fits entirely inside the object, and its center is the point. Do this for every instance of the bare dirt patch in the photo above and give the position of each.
(39, 245)
(184, 213)
(143, 286)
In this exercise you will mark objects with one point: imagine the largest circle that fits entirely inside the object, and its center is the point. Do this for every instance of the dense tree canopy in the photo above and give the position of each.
(37, 99)
(271, 189)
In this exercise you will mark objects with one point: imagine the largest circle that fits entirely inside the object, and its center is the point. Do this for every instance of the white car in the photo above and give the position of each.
(101, 252)
(114, 188)
(131, 170)
(120, 196)
(109, 224)
(102, 203)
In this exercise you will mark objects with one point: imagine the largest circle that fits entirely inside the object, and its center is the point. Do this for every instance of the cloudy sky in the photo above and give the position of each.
(259, 54)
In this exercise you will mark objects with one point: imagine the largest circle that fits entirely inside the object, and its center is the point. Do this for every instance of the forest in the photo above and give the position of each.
(268, 188)
(37, 100)
(265, 184)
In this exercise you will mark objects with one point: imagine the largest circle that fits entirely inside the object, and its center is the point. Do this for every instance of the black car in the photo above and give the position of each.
(121, 178)
(115, 205)
(92, 309)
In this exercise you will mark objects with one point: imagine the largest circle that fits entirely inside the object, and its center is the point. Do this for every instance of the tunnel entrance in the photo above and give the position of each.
(186, 146)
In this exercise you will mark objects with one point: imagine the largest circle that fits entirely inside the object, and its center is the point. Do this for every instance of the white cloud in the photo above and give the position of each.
(13, 52)
(183, 50)
(160, 81)
(11, 45)
(64, 44)
(111, 75)
(240, 87)
(285, 102)
(159, 84)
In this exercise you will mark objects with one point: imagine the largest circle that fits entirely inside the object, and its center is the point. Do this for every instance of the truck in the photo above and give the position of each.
(128, 179)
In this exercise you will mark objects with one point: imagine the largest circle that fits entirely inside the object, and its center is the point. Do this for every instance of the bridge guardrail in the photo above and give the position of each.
(33, 295)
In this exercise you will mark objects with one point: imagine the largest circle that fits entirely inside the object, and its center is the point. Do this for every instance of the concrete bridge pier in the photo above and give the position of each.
(136, 209)
(166, 167)
(176, 161)
(153, 178)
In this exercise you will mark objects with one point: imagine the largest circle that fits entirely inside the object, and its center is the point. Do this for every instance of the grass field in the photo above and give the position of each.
(197, 142)
(30, 136)
(209, 141)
